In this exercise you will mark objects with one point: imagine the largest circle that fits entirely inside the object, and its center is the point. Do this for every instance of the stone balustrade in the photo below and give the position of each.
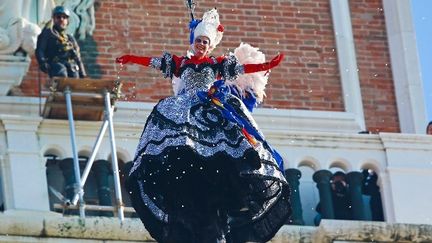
(31, 226)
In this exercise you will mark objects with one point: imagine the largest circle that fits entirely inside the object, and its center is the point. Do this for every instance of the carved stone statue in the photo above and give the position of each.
(19, 28)
(20, 22)
(16, 30)
(87, 13)
(74, 20)
(82, 19)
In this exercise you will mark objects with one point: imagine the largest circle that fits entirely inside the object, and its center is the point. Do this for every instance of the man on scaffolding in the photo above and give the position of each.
(57, 52)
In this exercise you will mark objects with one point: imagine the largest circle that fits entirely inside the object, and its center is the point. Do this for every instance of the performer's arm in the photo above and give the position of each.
(145, 61)
(168, 64)
(41, 46)
(76, 53)
(252, 68)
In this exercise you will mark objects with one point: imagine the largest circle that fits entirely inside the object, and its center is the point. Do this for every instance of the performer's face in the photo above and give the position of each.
(429, 130)
(61, 20)
(201, 46)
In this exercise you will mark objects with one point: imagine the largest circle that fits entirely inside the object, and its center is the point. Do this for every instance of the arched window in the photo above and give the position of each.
(55, 181)
(62, 184)
(2, 206)
(124, 169)
(309, 195)
(372, 196)
(98, 188)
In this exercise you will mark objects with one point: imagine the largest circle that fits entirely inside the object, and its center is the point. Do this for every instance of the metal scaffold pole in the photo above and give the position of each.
(78, 188)
(109, 114)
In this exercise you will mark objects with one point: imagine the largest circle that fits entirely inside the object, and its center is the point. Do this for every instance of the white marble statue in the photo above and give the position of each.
(20, 21)
(20, 33)
(16, 29)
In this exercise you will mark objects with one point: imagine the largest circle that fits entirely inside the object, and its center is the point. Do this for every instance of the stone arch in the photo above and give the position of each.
(372, 165)
(309, 161)
(54, 149)
(340, 163)
(52, 156)
(85, 151)
(309, 196)
(122, 155)
(372, 183)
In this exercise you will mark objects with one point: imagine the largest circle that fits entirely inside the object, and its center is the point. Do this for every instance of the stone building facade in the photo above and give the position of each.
(350, 67)
(314, 35)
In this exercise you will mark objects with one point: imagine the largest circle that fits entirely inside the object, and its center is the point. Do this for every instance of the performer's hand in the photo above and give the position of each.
(44, 67)
(252, 68)
(145, 61)
(123, 59)
(276, 60)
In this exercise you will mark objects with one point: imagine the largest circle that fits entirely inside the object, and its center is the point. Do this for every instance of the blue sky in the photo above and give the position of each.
(422, 14)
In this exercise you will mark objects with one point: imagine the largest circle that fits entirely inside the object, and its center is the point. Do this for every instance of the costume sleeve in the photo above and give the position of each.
(230, 67)
(168, 64)
(253, 68)
(41, 46)
(77, 57)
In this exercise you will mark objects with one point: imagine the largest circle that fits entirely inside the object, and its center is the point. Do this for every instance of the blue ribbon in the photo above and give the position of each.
(221, 90)
(192, 25)
(249, 99)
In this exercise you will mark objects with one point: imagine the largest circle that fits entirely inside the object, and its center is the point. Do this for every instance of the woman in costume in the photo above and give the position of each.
(203, 172)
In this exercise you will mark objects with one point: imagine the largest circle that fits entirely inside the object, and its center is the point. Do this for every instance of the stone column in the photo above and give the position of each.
(22, 167)
(322, 178)
(355, 182)
(293, 176)
(101, 168)
(70, 186)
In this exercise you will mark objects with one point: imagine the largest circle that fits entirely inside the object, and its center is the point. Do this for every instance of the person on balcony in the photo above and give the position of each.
(57, 52)
(429, 128)
(340, 199)
(340, 196)
(203, 172)
(371, 188)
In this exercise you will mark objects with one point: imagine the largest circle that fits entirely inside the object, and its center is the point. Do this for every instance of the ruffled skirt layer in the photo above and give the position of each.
(196, 177)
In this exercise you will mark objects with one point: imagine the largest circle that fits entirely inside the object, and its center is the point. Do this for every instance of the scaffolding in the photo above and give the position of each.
(90, 100)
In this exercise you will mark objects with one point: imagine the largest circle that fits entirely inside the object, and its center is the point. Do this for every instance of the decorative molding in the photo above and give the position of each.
(21, 225)
(12, 71)
(405, 66)
(269, 120)
(406, 142)
(20, 123)
(347, 60)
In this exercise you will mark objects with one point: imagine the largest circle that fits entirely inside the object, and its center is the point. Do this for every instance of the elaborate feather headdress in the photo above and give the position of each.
(209, 26)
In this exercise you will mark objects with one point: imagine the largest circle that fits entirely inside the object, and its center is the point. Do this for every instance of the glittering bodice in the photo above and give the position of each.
(197, 74)
(198, 77)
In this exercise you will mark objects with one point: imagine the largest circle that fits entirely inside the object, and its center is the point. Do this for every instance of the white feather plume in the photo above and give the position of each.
(255, 82)
(177, 84)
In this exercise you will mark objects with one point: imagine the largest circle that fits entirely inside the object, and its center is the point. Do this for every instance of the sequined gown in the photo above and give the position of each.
(195, 177)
